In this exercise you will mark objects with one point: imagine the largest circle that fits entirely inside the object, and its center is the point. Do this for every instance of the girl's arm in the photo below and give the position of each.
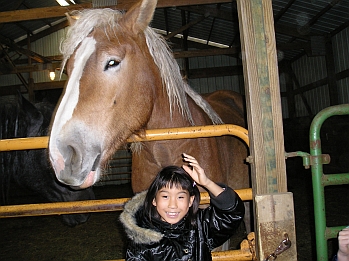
(343, 242)
(199, 176)
(220, 220)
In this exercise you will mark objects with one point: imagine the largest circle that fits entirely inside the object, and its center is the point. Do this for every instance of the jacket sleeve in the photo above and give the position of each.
(222, 218)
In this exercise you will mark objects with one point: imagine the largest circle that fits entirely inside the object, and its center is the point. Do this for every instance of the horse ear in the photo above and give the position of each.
(139, 16)
(71, 19)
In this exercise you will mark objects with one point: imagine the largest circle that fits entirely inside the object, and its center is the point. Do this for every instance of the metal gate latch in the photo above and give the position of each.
(284, 245)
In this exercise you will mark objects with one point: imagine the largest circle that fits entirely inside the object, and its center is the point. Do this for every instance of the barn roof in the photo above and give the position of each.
(301, 26)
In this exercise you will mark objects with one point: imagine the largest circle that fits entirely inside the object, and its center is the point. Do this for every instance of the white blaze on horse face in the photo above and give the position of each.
(69, 101)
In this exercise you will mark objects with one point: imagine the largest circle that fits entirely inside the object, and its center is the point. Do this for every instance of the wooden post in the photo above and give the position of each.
(264, 117)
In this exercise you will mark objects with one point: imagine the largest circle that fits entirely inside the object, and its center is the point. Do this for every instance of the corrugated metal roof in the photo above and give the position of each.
(296, 22)
(303, 17)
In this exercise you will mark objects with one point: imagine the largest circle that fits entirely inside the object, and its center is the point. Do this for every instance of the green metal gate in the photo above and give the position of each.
(320, 180)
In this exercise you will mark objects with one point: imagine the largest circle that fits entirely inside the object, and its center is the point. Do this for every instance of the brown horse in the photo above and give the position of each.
(123, 80)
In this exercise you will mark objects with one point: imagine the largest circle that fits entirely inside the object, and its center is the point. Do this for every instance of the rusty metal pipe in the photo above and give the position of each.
(150, 135)
(244, 253)
(114, 204)
(229, 255)
(102, 205)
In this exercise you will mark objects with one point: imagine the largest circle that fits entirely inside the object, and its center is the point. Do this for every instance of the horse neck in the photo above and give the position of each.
(162, 118)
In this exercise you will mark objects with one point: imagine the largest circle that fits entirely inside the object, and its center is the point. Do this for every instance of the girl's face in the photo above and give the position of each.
(172, 204)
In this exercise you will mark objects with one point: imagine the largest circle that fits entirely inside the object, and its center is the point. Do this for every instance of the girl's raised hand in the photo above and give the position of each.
(196, 172)
(199, 176)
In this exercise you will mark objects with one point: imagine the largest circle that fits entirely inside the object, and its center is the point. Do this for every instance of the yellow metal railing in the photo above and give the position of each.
(150, 135)
(245, 253)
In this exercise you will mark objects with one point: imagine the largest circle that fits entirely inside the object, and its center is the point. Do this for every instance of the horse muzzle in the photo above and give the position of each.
(75, 165)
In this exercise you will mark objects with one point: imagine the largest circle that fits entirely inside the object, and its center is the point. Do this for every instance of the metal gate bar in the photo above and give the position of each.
(246, 251)
(103, 205)
(320, 180)
(150, 135)
(112, 204)
(117, 204)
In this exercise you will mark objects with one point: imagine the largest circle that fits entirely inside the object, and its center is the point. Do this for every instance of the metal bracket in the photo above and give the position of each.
(309, 160)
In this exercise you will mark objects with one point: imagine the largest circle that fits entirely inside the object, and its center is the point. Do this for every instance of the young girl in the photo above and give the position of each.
(343, 243)
(165, 222)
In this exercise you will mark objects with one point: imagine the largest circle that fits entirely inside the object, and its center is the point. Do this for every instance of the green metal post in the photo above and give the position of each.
(319, 179)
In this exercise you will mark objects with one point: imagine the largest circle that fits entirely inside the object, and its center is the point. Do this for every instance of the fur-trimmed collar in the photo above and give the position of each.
(128, 218)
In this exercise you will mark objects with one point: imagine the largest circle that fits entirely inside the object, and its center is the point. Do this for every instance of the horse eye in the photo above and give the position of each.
(111, 64)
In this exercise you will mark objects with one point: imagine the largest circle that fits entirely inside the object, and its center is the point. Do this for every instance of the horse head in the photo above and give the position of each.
(109, 79)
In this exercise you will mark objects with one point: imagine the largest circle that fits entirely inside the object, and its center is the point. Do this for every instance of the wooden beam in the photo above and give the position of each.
(343, 74)
(37, 57)
(12, 90)
(49, 85)
(215, 72)
(263, 93)
(340, 28)
(39, 13)
(278, 16)
(53, 58)
(58, 58)
(29, 68)
(276, 215)
(302, 89)
(44, 33)
(230, 16)
(322, 12)
(194, 73)
(264, 116)
(205, 52)
(213, 12)
(59, 11)
(185, 27)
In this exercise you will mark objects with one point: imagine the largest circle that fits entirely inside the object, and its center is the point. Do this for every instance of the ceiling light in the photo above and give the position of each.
(52, 75)
(65, 2)
(62, 2)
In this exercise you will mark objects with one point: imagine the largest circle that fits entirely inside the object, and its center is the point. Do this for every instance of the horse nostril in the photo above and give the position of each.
(73, 154)
(96, 162)
(68, 154)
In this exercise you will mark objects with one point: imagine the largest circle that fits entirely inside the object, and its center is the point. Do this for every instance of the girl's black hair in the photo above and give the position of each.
(168, 177)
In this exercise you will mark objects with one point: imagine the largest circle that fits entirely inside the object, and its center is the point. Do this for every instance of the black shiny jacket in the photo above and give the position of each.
(158, 240)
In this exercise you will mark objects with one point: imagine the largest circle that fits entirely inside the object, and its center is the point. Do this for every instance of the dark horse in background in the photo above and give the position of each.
(124, 80)
(31, 168)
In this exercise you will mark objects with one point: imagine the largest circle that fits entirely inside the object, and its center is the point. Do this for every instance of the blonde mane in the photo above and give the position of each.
(175, 86)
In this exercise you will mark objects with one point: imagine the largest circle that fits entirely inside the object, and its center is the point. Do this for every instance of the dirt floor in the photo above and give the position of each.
(102, 237)
(47, 238)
